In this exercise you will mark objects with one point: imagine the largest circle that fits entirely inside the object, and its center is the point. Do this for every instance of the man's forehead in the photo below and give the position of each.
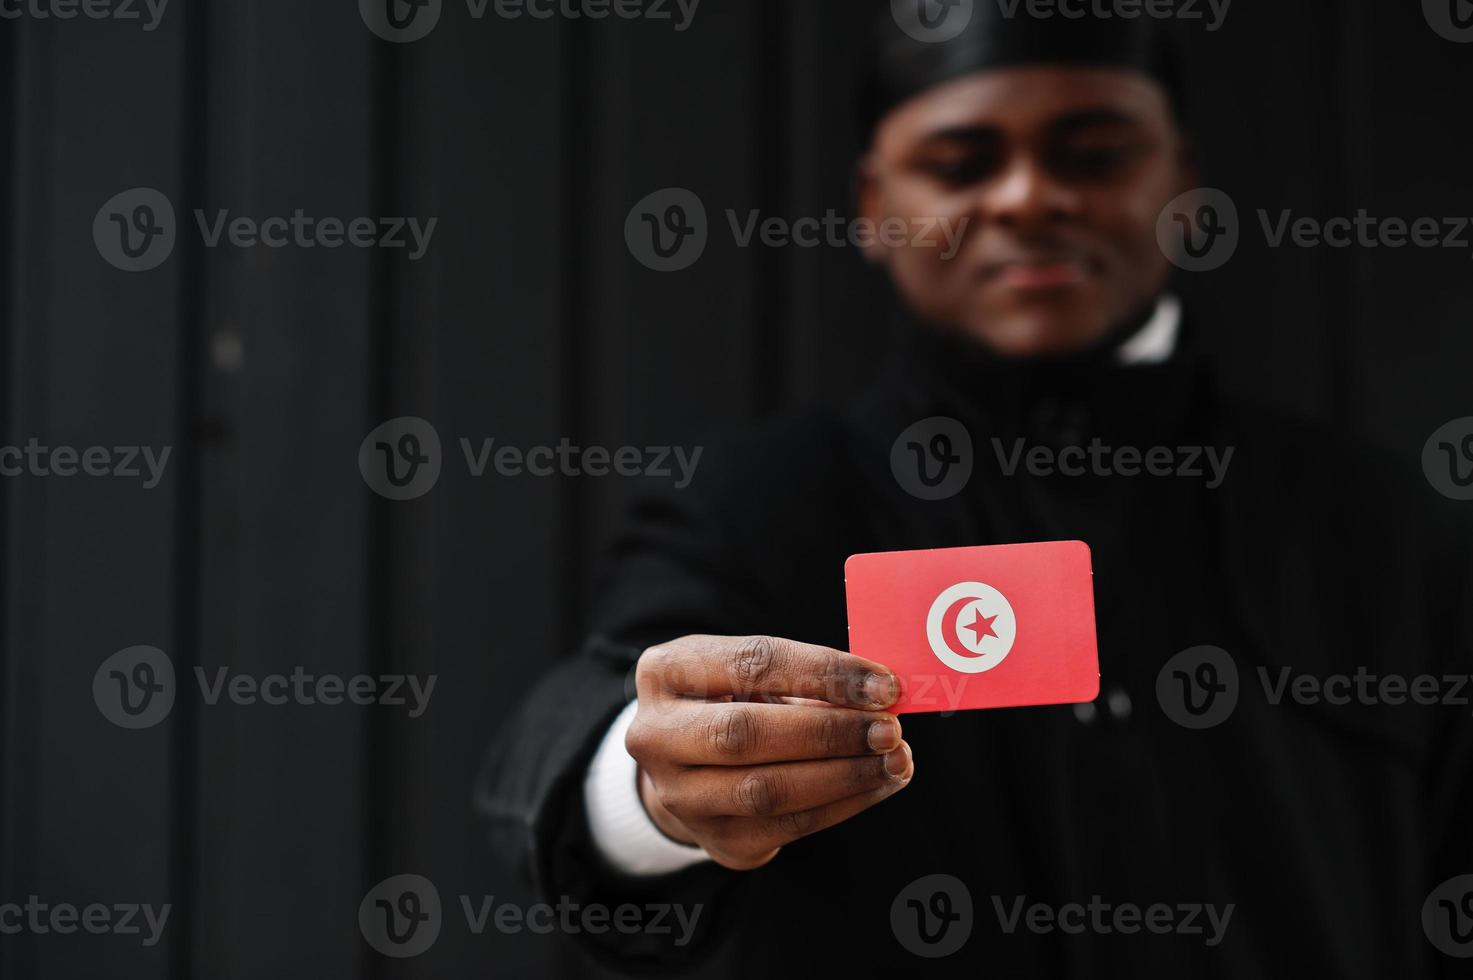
(1028, 96)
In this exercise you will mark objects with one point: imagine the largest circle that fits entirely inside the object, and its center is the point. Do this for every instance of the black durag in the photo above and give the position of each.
(1003, 33)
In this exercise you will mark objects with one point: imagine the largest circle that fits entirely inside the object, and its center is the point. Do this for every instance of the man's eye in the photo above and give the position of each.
(962, 169)
(1093, 162)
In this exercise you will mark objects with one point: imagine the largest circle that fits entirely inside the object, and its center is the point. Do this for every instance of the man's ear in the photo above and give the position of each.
(867, 196)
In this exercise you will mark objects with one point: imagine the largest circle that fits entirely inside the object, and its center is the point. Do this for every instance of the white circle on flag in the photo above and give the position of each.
(971, 627)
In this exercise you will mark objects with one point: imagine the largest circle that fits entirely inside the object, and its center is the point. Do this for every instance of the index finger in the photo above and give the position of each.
(743, 667)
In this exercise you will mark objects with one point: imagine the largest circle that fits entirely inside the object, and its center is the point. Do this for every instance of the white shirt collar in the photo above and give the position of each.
(1156, 341)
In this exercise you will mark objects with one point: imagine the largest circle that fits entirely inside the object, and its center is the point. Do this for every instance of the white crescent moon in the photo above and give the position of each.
(946, 607)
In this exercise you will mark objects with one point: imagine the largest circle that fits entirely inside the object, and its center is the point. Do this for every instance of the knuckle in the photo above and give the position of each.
(840, 683)
(722, 833)
(732, 732)
(755, 659)
(674, 801)
(639, 739)
(736, 844)
(798, 824)
(866, 774)
(759, 794)
(651, 667)
(833, 732)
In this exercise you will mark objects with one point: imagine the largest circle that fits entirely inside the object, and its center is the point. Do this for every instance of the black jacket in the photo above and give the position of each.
(1324, 826)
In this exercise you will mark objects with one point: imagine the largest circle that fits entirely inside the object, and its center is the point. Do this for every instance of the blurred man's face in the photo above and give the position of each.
(1059, 174)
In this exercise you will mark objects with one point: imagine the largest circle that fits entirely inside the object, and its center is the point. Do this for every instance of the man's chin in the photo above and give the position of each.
(1039, 332)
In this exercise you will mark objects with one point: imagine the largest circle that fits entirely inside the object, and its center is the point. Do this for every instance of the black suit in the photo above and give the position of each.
(1324, 826)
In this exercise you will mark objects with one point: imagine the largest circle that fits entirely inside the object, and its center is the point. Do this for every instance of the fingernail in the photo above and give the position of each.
(884, 735)
(897, 762)
(881, 689)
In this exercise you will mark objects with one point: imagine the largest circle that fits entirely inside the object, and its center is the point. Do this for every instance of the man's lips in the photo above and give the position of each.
(1036, 273)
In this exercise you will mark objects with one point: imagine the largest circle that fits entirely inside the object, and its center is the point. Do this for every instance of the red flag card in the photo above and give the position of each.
(995, 626)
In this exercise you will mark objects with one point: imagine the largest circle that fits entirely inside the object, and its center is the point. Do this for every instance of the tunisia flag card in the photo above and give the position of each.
(994, 626)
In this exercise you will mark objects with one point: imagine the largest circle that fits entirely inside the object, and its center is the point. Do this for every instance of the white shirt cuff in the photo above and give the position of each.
(626, 836)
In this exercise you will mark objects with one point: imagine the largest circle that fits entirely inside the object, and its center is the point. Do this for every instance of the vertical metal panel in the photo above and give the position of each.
(1409, 333)
(280, 862)
(90, 361)
(479, 335)
(1265, 131)
(672, 354)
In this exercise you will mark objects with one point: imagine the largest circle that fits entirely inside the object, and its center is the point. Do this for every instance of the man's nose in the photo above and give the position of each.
(1026, 195)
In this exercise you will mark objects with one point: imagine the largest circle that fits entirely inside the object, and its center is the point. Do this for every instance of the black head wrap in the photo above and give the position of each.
(919, 44)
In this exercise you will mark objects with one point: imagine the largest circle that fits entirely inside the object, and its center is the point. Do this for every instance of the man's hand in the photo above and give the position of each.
(745, 744)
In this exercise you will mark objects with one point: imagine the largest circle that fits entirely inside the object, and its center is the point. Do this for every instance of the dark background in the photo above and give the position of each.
(527, 321)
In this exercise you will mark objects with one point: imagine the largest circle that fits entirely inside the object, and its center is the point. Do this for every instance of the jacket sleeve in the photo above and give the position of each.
(676, 570)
